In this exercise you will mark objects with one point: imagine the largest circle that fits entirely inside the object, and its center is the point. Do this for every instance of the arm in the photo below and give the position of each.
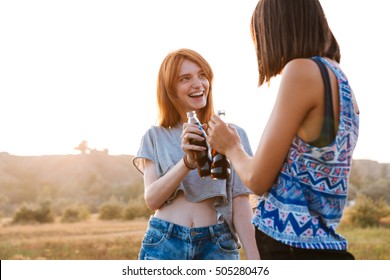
(296, 98)
(242, 214)
(158, 190)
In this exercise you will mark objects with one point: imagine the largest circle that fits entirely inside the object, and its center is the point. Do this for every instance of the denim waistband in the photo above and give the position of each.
(185, 233)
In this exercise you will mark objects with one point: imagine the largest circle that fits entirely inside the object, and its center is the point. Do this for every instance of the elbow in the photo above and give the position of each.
(256, 183)
(259, 176)
(152, 206)
(151, 203)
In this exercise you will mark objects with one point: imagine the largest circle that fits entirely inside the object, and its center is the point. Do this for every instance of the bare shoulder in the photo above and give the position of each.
(301, 77)
(302, 68)
(301, 85)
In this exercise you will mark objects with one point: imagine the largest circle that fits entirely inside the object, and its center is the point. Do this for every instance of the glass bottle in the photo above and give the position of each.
(220, 166)
(203, 158)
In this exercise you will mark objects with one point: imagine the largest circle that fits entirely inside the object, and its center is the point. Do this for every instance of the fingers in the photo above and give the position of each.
(191, 133)
(215, 122)
(187, 136)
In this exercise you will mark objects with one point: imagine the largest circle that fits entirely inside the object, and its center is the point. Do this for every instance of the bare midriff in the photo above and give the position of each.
(188, 214)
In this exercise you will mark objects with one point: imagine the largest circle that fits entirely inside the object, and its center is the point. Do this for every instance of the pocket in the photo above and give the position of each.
(227, 243)
(152, 237)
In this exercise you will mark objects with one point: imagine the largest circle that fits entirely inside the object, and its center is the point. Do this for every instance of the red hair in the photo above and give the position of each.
(170, 111)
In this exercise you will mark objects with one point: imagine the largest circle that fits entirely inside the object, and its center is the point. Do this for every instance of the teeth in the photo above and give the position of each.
(196, 94)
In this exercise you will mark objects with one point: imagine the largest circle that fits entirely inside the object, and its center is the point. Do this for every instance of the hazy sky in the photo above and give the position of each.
(86, 69)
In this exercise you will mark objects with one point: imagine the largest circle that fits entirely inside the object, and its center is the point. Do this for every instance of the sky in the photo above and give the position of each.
(79, 70)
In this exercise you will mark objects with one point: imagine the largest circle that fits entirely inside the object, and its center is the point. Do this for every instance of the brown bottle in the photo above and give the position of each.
(220, 166)
(203, 158)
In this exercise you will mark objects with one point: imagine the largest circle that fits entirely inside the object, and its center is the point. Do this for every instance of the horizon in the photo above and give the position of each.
(86, 70)
(130, 155)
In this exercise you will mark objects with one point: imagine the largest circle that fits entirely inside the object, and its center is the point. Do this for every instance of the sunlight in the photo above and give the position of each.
(86, 70)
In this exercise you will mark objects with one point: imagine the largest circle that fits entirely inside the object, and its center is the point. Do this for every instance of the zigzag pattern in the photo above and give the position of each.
(305, 205)
(299, 225)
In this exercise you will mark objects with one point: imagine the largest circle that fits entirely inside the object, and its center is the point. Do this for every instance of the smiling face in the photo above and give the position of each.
(184, 83)
(192, 86)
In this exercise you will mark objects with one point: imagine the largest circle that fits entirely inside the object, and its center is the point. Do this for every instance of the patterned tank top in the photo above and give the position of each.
(304, 206)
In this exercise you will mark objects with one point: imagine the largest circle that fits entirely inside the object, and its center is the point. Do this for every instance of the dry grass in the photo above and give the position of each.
(120, 240)
(367, 243)
(91, 240)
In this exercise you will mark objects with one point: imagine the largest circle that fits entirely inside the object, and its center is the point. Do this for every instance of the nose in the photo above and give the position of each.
(196, 83)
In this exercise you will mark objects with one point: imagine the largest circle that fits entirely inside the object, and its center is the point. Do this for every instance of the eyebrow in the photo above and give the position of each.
(184, 75)
(188, 74)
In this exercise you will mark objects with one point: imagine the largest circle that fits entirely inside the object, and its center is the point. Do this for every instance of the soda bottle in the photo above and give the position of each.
(220, 166)
(203, 158)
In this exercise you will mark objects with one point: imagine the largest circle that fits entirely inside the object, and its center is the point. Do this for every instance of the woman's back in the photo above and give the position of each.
(305, 204)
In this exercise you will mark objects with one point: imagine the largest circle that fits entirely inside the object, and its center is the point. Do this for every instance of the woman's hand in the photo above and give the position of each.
(221, 136)
(191, 132)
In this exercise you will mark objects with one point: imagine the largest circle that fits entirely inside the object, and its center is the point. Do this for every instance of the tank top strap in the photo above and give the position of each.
(328, 132)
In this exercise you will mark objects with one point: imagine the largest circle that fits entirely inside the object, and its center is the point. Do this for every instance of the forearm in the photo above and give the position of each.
(257, 172)
(243, 165)
(226, 140)
(158, 192)
(242, 215)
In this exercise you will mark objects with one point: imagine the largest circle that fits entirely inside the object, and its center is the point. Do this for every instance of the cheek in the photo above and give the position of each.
(207, 87)
(206, 84)
(181, 91)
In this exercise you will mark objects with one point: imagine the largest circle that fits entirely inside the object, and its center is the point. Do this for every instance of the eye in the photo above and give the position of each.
(184, 79)
(203, 76)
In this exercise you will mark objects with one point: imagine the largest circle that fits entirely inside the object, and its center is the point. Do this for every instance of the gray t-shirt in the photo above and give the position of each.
(163, 147)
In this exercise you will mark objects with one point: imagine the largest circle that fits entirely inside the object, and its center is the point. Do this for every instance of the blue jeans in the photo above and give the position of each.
(167, 241)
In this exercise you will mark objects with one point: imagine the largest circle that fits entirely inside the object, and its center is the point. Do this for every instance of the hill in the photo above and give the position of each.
(92, 179)
(67, 179)
(370, 178)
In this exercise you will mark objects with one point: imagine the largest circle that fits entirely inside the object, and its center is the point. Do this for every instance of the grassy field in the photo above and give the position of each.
(120, 240)
(91, 240)
(368, 244)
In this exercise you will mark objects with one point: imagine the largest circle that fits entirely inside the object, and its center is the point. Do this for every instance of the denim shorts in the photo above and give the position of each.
(167, 241)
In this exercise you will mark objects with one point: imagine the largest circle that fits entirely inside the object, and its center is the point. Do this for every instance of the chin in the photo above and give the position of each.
(199, 107)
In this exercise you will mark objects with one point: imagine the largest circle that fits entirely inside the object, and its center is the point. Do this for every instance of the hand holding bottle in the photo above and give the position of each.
(220, 167)
(221, 136)
(203, 157)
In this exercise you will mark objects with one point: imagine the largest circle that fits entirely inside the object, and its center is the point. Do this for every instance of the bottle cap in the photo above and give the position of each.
(221, 112)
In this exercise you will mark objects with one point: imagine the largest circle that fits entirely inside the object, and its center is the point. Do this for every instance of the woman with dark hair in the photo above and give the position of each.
(195, 218)
(302, 163)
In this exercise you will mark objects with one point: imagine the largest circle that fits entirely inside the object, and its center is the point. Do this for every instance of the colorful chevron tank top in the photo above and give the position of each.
(306, 202)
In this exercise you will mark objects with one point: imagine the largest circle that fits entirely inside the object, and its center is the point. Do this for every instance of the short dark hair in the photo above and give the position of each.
(283, 30)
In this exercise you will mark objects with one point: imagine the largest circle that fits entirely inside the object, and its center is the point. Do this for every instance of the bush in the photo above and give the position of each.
(75, 213)
(111, 211)
(26, 214)
(367, 212)
(136, 209)
(44, 214)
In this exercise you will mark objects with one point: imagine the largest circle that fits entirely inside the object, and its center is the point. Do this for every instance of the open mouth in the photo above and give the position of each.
(196, 94)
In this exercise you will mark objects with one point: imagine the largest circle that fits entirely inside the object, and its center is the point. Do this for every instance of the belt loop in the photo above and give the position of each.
(169, 231)
(212, 234)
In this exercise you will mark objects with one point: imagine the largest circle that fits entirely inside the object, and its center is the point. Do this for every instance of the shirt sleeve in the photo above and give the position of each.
(146, 151)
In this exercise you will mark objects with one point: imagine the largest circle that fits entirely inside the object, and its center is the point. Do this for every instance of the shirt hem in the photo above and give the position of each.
(314, 244)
